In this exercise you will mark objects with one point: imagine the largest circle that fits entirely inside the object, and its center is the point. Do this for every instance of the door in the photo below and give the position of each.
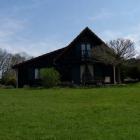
(86, 73)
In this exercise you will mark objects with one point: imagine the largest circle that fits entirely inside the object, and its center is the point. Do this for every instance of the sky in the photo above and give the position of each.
(40, 26)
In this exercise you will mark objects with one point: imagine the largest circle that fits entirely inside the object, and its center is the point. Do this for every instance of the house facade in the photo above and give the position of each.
(74, 63)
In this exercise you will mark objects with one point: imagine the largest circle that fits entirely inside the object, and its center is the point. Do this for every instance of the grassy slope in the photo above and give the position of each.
(70, 114)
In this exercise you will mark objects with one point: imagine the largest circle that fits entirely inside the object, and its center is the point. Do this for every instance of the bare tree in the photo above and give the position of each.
(115, 53)
(138, 57)
(12, 60)
(4, 60)
(123, 48)
(7, 60)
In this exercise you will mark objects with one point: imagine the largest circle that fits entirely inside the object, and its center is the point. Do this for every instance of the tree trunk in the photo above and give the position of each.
(119, 77)
(114, 74)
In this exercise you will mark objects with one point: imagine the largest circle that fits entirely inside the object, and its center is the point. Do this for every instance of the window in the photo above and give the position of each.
(83, 48)
(37, 75)
(107, 79)
(88, 47)
(86, 50)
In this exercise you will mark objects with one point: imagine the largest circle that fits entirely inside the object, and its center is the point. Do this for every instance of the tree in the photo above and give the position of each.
(7, 60)
(131, 69)
(115, 52)
(50, 77)
(8, 74)
(4, 57)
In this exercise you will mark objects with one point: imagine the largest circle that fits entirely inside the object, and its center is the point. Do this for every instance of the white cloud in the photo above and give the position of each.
(129, 13)
(9, 27)
(102, 14)
(111, 34)
(30, 5)
(12, 40)
(36, 48)
(132, 33)
(33, 48)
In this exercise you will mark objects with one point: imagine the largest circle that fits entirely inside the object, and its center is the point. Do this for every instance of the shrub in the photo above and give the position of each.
(10, 82)
(9, 79)
(50, 77)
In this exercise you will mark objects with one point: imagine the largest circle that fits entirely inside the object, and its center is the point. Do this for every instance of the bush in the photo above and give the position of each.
(131, 72)
(50, 77)
(10, 82)
(9, 79)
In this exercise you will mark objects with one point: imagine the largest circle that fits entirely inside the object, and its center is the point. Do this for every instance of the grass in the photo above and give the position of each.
(70, 114)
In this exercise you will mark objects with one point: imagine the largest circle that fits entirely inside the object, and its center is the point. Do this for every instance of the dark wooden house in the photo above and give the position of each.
(74, 63)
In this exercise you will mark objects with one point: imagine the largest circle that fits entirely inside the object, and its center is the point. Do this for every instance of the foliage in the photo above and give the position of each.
(115, 53)
(131, 69)
(9, 78)
(62, 114)
(11, 82)
(50, 77)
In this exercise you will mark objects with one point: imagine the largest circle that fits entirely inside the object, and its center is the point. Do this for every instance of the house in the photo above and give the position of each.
(74, 63)
(0, 74)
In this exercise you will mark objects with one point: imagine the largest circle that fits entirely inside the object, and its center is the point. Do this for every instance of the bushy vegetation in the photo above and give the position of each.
(9, 79)
(116, 54)
(131, 69)
(50, 77)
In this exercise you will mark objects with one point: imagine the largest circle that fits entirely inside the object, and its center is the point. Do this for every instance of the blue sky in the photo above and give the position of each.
(40, 26)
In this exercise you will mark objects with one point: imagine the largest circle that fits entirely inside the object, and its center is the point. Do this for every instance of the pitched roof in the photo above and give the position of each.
(50, 56)
(86, 30)
(55, 55)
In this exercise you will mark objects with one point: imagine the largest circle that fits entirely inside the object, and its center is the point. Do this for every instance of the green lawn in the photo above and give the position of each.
(70, 114)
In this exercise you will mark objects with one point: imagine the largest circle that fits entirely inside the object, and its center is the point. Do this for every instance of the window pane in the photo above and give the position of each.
(88, 47)
(83, 46)
(36, 73)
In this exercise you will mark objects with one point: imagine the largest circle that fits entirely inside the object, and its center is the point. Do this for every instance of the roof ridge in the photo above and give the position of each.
(84, 30)
(32, 59)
